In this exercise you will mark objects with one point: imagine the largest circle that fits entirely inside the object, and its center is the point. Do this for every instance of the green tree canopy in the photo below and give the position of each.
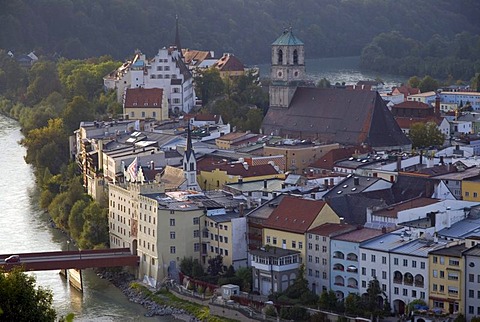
(424, 135)
(21, 300)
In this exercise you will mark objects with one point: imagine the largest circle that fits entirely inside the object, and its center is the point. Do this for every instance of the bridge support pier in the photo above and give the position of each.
(75, 278)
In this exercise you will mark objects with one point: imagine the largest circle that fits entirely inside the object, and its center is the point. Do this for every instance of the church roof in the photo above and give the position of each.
(336, 115)
(287, 38)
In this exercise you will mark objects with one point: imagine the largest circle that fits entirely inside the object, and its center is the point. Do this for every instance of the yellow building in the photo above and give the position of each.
(142, 103)
(226, 237)
(446, 279)
(287, 225)
(299, 156)
(214, 176)
(471, 189)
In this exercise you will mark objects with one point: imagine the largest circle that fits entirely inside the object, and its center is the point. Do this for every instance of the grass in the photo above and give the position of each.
(165, 297)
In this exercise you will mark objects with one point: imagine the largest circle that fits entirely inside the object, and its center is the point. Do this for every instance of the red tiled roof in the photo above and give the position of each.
(143, 97)
(413, 104)
(331, 228)
(407, 90)
(359, 235)
(229, 63)
(392, 210)
(332, 156)
(207, 117)
(294, 214)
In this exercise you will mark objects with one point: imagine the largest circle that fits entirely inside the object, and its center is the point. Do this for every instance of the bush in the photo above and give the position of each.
(270, 311)
(296, 313)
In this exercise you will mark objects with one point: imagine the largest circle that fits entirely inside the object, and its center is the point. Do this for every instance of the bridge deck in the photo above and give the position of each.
(71, 259)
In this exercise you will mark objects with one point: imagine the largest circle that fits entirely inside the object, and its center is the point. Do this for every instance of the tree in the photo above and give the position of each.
(353, 304)
(414, 81)
(328, 301)
(372, 304)
(215, 266)
(324, 83)
(460, 318)
(428, 84)
(425, 134)
(21, 300)
(245, 275)
(209, 85)
(191, 267)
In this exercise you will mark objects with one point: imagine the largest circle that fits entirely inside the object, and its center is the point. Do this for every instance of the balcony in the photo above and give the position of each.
(352, 257)
(352, 286)
(397, 280)
(338, 255)
(352, 269)
(339, 284)
(338, 267)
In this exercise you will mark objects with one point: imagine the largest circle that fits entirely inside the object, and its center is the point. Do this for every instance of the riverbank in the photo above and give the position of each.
(123, 281)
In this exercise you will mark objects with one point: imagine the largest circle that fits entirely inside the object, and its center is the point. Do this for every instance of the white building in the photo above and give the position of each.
(166, 70)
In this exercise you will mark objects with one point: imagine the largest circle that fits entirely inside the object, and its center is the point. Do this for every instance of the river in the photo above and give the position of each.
(339, 70)
(25, 228)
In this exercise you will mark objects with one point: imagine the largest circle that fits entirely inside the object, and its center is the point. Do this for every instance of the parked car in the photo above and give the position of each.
(12, 259)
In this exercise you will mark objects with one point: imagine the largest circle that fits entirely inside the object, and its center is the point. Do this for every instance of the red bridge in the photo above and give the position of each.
(71, 259)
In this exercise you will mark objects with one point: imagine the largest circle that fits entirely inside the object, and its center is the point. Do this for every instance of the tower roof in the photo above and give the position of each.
(287, 38)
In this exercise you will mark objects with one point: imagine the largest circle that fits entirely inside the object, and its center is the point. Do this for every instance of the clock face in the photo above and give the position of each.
(279, 74)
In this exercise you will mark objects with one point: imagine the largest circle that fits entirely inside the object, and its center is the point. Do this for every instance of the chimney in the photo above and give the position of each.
(241, 209)
(331, 182)
(399, 162)
(265, 184)
(152, 165)
(421, 157)
(356, 181)
(325, 182)
(437, 105)
(441, 160)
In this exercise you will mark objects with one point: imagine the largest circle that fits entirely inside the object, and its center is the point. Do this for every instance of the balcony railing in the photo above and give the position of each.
(339, 283)
(351, 258)
(338, 269)
(352, 286)
(419, 284)
(397, 280)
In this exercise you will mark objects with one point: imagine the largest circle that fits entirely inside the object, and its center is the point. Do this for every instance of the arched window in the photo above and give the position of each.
(280, 57)
(295, 57)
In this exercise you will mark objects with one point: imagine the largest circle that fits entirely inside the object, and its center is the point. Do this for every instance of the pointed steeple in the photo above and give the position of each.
(189, 139)
(177, 37)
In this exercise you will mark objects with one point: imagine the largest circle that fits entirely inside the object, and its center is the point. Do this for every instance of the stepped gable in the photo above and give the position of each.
(335, 115)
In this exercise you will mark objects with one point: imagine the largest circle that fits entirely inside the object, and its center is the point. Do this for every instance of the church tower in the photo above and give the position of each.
(190, 163)
(288, 68)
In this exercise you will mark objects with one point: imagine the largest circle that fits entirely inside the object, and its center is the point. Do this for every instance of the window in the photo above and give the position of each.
(310, 272)
(172, 222)
(310, 246)
(167, 68)
(196, 247)
(310, 258)
(454, 262)
(172, 249)
(274, 240)
(471, 294)
(284, 242)
(414, 293)
(422, 295)
(268, 239)
(405, 262)
(414, 264)
(374, 272)
(364, 271)
(384, 259)
(294, 244)
(300, 245)
(176, 101)
(172, 235)
(395, 261)
(384, 275)
(442, 288)
(196, 233)
(324, 275)
(364, 283)
(196, 220)
(317, 273)
(422, 265)
(317, 247)
(442, 260)
(435, 273)
(317, 260)
(435, 287)
(442, 274)
(395, 290)
(324, 261)
(324, 249)
(435, 259)
(225, 240)
(373, 258)
(364, 257)
(471, 278)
